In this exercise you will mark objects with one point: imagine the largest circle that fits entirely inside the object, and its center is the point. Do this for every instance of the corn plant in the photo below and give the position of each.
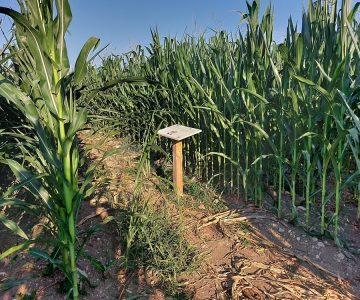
(272, 117)
(42, 88)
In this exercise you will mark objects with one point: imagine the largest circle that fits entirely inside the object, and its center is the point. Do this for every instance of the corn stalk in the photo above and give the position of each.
(271, 114)
(42, 88)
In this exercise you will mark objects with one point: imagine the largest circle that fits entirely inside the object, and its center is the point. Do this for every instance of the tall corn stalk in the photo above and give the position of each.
(271, 114)
(43, 89)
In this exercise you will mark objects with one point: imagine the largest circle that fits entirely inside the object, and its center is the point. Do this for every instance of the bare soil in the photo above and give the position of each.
(243, 253)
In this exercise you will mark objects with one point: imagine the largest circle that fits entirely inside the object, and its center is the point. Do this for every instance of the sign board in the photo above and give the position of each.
(178, 132)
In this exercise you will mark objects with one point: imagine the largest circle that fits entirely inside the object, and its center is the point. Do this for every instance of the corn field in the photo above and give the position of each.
(275, 116)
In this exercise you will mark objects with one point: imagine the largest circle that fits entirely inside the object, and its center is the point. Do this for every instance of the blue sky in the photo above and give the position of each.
(125, 24)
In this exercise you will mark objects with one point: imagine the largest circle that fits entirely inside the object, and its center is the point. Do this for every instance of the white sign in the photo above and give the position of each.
(178, 132)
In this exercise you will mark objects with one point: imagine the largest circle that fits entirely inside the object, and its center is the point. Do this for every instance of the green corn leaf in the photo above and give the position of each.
(299, 50)
(135, 80)
(307, 134)
(63, 20)
(352, 14)
(81, 62)
(14, 202)
(43, 62)
(355, 118)
(16, 248)
(19, 99)
(78, 121)
(294, 99)
(312, 84)
(33, 185)
(261, 157)
(94, 261)
(96, 54)
(228, 158)
(15, 228)
(9, 56)
(40, 254)
(18, 186)
(261, 98)
(327, 77)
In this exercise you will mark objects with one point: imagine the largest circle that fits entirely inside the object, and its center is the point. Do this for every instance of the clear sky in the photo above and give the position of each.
(125, 24)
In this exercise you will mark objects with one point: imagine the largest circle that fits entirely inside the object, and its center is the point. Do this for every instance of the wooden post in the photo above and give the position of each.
(177, 133)
(178, 168)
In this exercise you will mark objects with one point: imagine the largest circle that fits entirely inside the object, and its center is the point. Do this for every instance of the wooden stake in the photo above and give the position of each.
(178, 168)
(177, 133)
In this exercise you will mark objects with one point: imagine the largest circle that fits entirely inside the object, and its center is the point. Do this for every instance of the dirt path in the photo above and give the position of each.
(250, 256)
(243, 254)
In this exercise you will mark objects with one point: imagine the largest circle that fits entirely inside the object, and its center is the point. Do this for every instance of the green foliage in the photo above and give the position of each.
(203, 195)
(271, 114)
(154, 242)
(40, 86)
